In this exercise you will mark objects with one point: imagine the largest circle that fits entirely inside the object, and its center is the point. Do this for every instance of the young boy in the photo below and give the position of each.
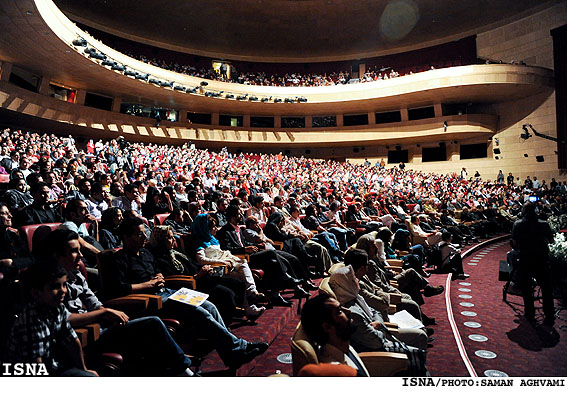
(42, 333)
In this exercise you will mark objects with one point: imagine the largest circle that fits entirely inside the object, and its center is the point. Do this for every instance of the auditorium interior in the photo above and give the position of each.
(435, 119)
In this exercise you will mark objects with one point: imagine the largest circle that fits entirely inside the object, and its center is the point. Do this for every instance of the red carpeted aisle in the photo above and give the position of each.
(497, 339)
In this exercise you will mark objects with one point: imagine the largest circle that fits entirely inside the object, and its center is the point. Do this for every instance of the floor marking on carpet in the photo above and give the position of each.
(465, 284)
(472, 264)
(465, 296)
(455, 329)
(465, 304)
(495, 373)
(465, 290)
(469, 313)
(485, 354)
(284, 358)
(471, 324)
(479, 338)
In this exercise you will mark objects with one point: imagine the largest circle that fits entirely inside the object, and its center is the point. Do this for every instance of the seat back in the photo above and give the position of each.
(336, 266)
(302, 350)
(28, 232)
(160, 218)
(105, 260)
(324, 287)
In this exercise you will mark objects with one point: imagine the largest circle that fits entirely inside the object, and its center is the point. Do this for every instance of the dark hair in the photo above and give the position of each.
(83, 181)
(41, 274)
(384, 234)
(232, 211)
(37, 186)
(56, 241)
(33, 178)
(107, 218)
(356, 257)
(334, 205)
(314, 313)
(194, 207)
(131, 187)
(529, 211)
(96, 187)
(242, 193)
(258, 199)
(293, 209)
(72, 207)
(446, 235)
(129, 226)
(14, 182)
(310, 210)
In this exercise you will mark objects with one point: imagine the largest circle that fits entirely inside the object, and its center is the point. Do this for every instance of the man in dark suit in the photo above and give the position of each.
(277, 274)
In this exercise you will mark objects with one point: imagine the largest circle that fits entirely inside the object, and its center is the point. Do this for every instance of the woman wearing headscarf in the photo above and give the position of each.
(225, 292)
(208, 251)
(370, 333)
(276, 276)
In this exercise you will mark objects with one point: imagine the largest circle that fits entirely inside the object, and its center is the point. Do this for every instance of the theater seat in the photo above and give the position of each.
(160, 218)
(378, 364)
(27, 232)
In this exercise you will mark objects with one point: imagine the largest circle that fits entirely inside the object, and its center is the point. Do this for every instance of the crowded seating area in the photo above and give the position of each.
(128, 224)
(294, 76)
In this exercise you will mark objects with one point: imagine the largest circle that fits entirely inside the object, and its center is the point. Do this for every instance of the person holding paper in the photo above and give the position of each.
(160, 356)
(136, 272)
(346, 287)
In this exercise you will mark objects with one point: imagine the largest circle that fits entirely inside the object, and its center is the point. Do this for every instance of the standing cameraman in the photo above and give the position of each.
(531, 238)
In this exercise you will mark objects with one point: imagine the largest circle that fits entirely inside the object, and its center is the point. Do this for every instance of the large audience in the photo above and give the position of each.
(262, 79)
(250, 228)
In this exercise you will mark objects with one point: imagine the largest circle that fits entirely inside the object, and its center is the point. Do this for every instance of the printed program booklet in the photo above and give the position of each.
(189, 296)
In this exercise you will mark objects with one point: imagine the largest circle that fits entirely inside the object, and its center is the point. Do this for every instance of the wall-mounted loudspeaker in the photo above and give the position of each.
(540, 159)
(496, 151)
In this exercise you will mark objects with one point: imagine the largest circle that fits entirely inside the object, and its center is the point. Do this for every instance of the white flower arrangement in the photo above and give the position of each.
(558, 249)
(557, 223)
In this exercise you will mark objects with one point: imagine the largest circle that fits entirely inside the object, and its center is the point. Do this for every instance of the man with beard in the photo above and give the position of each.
(329, 325)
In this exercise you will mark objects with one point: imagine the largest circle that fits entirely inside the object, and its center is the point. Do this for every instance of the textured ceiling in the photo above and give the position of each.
(295, 30)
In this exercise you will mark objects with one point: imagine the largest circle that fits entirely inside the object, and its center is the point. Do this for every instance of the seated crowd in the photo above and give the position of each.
(263, 79)
(132, 219)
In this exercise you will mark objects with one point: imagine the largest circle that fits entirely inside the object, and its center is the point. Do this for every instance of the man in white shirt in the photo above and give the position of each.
(130, 200)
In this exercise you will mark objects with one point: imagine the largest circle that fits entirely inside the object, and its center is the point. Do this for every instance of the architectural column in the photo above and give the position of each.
(308, 121)
(81, 95)
(404, 114)
(44, 86)
(5, 71)
(277, 121)
(116, 103)
(340, 120)
(414, 153)
(182, 118)
(246, 121)
(438, 110)
(215, 119)
(453, 151)
(361, 70)
(371, 118)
